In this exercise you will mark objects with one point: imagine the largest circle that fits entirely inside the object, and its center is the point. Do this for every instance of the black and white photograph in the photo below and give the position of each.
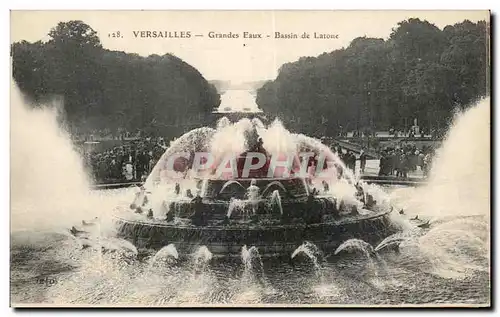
(250, 158)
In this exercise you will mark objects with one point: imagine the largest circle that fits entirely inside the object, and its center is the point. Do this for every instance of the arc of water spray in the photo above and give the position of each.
(276, 199)
(228, 183)
(234, 204)
(356, 244)
(203, 253)
(247, 254)
(166, 251)
(312, 252)
(307, 248)
(391, 241)
(277, 183)
(201, 257)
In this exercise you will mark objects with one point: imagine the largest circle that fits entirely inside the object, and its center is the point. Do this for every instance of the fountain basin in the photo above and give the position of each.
(217, 210)
(271, 239)
(273, 212)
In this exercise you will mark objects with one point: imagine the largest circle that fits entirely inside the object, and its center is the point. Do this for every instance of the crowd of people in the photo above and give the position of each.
(400, 161)
(128, 162)
(349, 158)
(397, 161)
(106, 134)
(133, 160)
(392, 133)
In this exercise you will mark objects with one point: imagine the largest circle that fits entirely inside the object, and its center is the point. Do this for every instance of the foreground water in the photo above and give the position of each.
(444, 262)
(52, 268)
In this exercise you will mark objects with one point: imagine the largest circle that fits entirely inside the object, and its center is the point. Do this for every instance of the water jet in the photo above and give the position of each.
(285, 209)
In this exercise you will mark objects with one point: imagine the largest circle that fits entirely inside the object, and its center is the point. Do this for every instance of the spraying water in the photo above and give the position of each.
(49, 185)
(236, 204)
(459, 182)
(250, 258)
(276, 201)
(311, 251)
(467, 168)
(202, 255)
(47, 175)
(355, 244)
(167, 254)
(50, 194)
(457, 198)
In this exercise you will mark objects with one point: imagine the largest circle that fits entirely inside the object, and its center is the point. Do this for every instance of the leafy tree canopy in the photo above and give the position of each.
(420, 72)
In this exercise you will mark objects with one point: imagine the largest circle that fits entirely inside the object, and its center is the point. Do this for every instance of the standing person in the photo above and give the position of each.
(129, 171)
(427, 163)
(392, 162)
(353, 162)
(362, 161)
(339, 152)
(347, 160)
(414, 159)
(421, 156)
(139, 165)
(112, 169)
(383, 164)
(405, 164)
(398, 156)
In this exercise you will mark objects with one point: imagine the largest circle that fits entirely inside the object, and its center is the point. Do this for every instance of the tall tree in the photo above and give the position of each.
(419, 72)
(112, 90)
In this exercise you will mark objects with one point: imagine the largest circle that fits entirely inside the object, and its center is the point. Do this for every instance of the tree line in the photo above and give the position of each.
(113, 90)
(420, 72)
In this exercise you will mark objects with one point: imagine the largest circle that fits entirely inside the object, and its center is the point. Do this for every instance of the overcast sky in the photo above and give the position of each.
(231, 59)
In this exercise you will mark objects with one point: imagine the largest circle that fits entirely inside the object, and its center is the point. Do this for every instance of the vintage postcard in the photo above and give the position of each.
(250, 158)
